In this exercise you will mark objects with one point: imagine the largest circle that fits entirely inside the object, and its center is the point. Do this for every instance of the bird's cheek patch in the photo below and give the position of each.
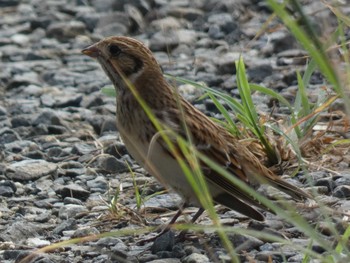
(126, 64)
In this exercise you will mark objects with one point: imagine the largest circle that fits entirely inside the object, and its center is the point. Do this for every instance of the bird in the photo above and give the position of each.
(132, 68)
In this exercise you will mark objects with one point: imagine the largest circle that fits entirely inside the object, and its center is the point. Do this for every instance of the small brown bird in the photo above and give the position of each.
(127, 61)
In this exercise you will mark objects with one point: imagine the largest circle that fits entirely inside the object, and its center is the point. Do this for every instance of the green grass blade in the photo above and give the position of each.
(109, 91)
(224, 112)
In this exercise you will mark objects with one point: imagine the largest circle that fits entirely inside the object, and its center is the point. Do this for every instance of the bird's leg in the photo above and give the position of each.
(182, 234)
(168, 226)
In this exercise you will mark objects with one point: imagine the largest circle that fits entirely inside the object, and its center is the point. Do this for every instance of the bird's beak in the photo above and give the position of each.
(91, 51)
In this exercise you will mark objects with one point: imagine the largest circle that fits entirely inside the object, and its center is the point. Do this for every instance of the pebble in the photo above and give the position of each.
(87, 231)
(27, 170)
(71, 210)
(73, 190)
(196, 258)
(37, 242)
(342, 191)
(165, 242)
(110, 164)
(68, 224)
(7, 188)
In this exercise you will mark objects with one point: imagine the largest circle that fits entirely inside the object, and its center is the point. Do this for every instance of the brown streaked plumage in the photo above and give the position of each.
(126, 57)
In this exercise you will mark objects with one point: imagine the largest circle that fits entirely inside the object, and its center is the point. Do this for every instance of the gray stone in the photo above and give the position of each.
(7, 135)
(99, 184)
(83, 148)
(328, 182)
(20, 121)
(109, 125)
(37, 242)
(164, 40)
(20, 230)
(43, 217)
(71, 200)
(73, 190)
(196, 258)
(166, 23)
(48, 117)
(342, 180)
(108, 241)
(110, 164)
(66, 30)
(30, 170)
(342, 191)
(68, 224)
(70, 211)
(87, 231)
(66, 99)
(245, 243)
(72, 168)
(113, 23)
(7, 188)
(226, 63)
(169, 201)
(187, 13)
(21, 146)
(165, 260)
(259, 72)
(165, 242)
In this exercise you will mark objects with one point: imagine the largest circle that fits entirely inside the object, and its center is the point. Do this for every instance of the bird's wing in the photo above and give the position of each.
(223, 148)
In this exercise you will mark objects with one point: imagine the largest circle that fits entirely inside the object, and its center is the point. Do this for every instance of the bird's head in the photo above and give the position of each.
(124, 58)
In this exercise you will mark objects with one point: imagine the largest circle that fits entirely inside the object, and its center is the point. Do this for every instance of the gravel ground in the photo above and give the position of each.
(61, 156)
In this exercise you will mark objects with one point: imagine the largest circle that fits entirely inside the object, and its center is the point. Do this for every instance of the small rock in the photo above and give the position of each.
(169, 201)
(19, 231)
(166, 23)
(20, 39)
(98, 184)
(188, 13)
(226, 63)
(37, 242)
(108, 125)
(108, 241)
(342, 191)
(342, 180)
(83, 148)
(7, 188)
(110, 164)
(64, 31)
(164, 41)
(7, 136)
(224, 21)
(68, 224)
(20, 121)
(30, 170)
(292, 57)
(165, 242)
(48, 117)
(165, 260)
(21, 146)
(259, 72)
(87, 231)
(328, 182)
(71, 200)
(265, 256)
(70, 211)
(43, 217)
(245, 243)
(72, 168)
(73, 190)
(196, 258)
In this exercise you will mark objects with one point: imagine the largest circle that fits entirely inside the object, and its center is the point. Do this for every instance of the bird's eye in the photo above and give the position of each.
(114, 50)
